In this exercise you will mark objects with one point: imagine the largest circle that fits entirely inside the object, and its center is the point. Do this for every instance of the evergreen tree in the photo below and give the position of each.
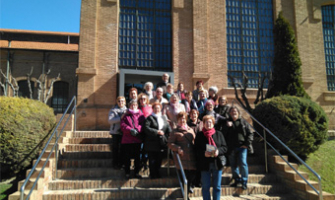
(286, 76)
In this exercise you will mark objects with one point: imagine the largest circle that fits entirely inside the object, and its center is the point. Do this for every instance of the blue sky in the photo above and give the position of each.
(41, 15)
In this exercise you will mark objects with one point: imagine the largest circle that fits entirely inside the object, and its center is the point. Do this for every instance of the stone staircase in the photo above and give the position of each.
(85, 172)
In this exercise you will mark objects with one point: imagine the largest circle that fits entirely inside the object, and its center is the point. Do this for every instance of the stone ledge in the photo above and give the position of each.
(329, 96)
(201, 75)
(89, 71)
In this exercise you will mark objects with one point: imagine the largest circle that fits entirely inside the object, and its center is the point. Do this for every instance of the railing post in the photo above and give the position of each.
(320, 189)
(168, 160)
(56, 154)
(75, 115)
(185, 190)
(265, 151)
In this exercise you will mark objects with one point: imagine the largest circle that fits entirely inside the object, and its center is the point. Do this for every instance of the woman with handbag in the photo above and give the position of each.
(181, 141)
(131, 126)
(156, 130)
(114, 118)
(210, 147)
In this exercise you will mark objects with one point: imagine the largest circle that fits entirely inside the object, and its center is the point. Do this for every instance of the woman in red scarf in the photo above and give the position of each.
(210, 147)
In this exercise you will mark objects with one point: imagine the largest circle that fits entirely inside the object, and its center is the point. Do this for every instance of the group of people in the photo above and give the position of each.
(199, 126)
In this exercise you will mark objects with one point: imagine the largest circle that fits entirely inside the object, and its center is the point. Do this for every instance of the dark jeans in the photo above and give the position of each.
(116, 151)
(239, 165)
(130, 151)
(155, 162)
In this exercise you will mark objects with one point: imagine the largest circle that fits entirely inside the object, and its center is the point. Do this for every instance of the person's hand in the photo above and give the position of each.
(160, 132)
(244, 147)
(216, 153)
(180, 152)
(208, 154)
(229, 123)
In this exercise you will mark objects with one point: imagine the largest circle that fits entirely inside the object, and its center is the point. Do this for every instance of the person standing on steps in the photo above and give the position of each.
(163, 84)
(131, 126)
(239, 139)
(114, 119)
(210, 147)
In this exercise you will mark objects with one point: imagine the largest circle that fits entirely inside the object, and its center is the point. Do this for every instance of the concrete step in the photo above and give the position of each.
(16, 195)
(88, 147)
(312, 195)
(154, 193)
(30, 184)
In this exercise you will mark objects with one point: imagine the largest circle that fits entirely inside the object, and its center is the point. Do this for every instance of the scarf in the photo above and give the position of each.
(160, 120)
(133, 111)
(208, 134)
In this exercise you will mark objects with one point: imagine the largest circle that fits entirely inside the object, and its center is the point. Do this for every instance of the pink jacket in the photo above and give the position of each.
(147, 110)
(127, 125)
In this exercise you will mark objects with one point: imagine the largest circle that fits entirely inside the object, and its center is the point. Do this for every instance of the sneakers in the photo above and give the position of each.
(236, 184)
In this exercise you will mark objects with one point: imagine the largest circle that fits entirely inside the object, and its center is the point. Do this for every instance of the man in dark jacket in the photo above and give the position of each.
(239, 139)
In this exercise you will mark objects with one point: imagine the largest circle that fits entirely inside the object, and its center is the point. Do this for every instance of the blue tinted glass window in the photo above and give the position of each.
(145, 35)
(328, 23)
(249, 39)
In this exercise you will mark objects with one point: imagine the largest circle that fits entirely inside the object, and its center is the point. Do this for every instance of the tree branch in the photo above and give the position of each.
(51, 87)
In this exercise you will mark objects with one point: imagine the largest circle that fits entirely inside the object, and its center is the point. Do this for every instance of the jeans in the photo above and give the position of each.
(238, 163)
(206, 182)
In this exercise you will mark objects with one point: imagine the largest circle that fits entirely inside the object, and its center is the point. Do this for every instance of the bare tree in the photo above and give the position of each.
(243, 90)
(14, 85)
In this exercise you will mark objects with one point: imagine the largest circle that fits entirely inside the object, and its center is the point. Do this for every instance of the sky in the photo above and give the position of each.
(41, 15)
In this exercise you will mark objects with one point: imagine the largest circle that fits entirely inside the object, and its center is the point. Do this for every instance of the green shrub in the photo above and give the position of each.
(298, 122)
(24, 123)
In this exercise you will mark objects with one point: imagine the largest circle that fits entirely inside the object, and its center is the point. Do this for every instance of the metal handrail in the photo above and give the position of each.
(183, 189)
(288, 149)
(55, 146)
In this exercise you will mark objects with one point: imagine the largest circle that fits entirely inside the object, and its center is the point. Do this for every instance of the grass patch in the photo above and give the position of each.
(323, 162)
(3, 188)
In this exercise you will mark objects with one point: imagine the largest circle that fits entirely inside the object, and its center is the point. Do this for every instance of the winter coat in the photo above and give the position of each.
(201, 105)
(151, 138)
(200, 147)
(197, 127)
(127, 125)
(240, 134)
(114, 119)
(183, 139)
(189, 106)
(222, 110)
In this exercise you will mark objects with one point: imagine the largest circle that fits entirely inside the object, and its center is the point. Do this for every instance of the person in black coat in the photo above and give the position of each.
(239, 139)
(210, 146)
(156, 130)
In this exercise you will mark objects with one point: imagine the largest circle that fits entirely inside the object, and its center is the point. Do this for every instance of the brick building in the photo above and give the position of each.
(125, 43)
(44, 51)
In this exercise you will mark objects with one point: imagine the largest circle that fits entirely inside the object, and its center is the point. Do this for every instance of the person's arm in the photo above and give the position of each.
(126, 125)
(113, 117)
(222, 144)
(148, 127)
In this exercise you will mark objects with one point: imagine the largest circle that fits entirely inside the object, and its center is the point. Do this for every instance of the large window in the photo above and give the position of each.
(250, 46)
(145, 36)
(328, 23)
(60, 96)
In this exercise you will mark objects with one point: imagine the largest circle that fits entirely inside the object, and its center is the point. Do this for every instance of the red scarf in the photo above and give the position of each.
(208, 134)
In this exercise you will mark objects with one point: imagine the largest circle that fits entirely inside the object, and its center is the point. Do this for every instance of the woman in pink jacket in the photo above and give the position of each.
(131, 126)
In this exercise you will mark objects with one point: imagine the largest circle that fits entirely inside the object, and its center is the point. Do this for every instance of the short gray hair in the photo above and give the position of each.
(148, 83)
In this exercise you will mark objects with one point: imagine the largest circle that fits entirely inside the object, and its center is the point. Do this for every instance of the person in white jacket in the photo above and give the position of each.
(114, 118)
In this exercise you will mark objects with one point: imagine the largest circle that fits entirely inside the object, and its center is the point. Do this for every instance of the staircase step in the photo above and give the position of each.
(88, 147)
(154, 193)
(112, 183)
(87, 155)
(252, 178)
(253, 197)
(88, 134)
(84, 163)
(101, 172)
(78, 140)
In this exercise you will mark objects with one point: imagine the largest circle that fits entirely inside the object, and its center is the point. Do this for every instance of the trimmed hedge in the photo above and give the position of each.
(24, 125)
(298, 122)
